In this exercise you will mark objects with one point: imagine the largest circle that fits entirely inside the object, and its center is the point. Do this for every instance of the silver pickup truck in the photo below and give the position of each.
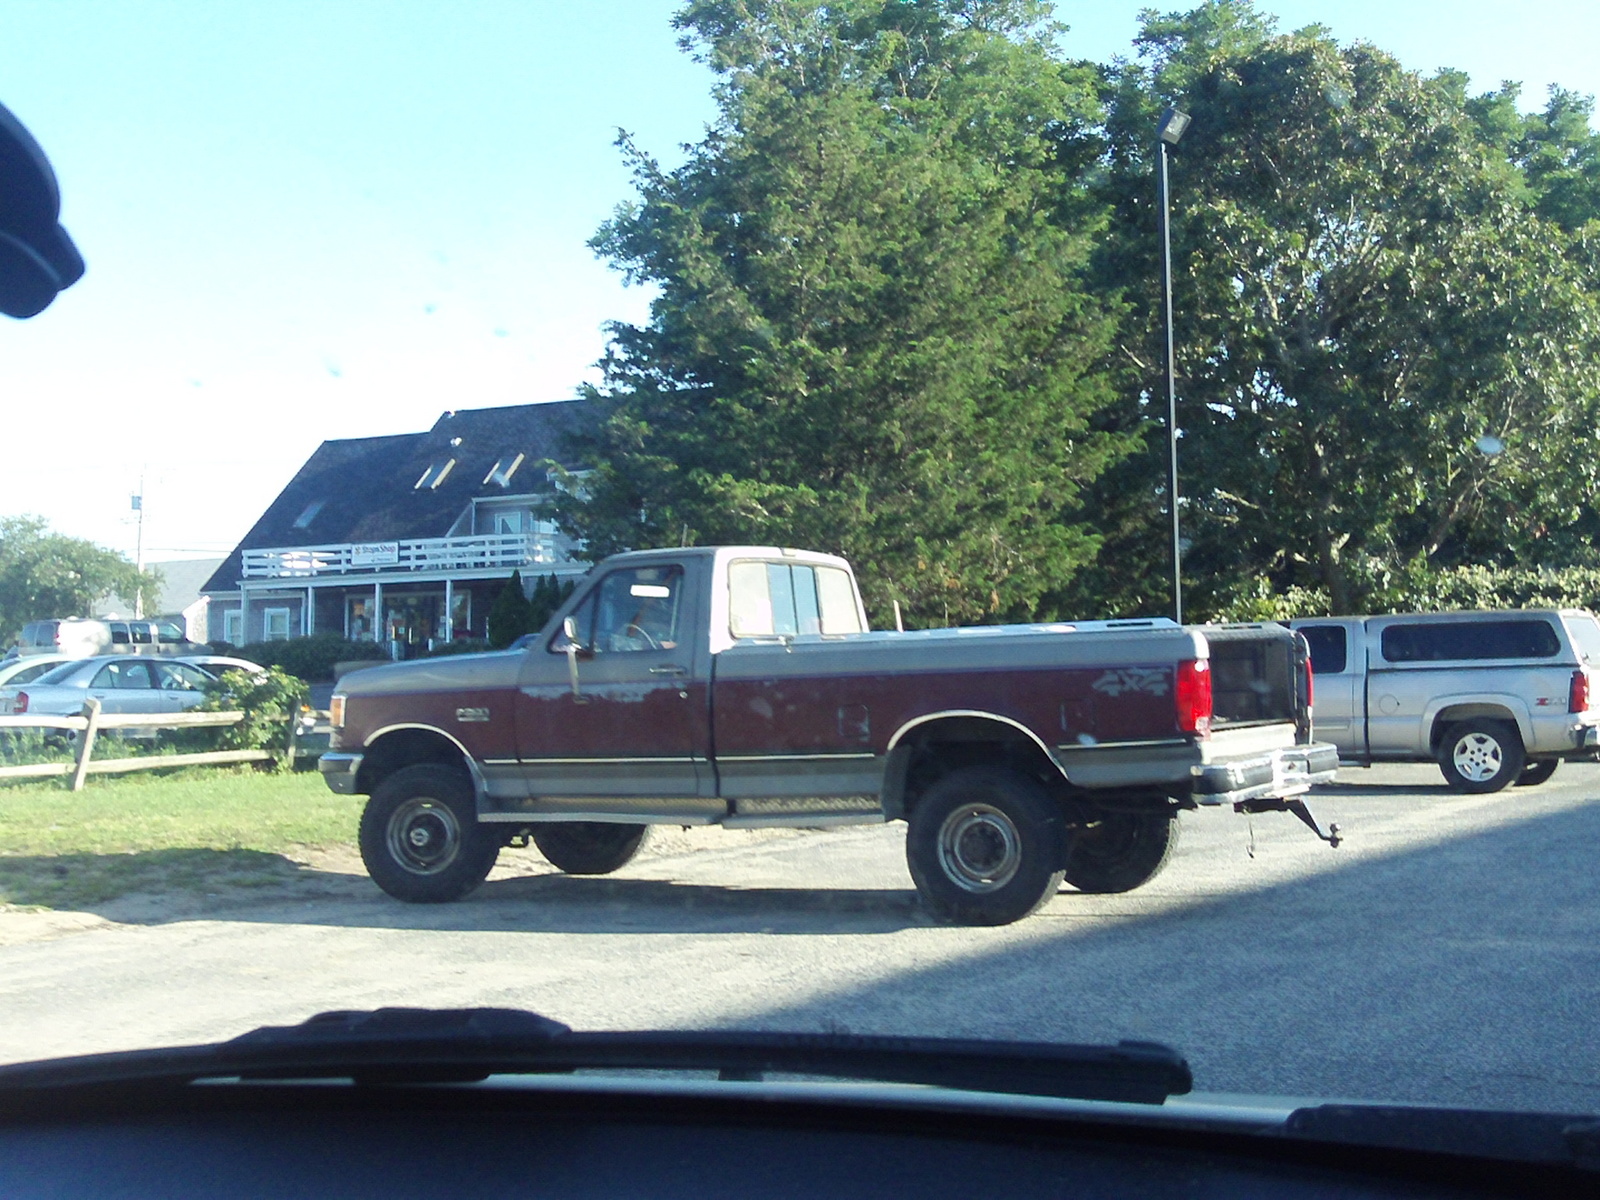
(1493, 697)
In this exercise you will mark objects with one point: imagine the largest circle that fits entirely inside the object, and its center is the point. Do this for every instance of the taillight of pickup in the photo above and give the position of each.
(741, 686)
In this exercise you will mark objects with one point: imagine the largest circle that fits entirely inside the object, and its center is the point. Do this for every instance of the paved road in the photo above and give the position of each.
(1448, 952)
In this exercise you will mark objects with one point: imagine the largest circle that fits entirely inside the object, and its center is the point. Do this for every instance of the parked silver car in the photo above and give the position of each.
(1493, 697)
(14, 672)
(122, 683)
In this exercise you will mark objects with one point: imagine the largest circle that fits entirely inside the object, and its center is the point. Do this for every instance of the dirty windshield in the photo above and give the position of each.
(1143, 340)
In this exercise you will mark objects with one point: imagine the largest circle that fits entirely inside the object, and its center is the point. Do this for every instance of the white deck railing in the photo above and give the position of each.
(482, 552)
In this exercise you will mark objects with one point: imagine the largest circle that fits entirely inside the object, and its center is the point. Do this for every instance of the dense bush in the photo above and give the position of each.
(309, 658)
(267, 700)
(1419, 588)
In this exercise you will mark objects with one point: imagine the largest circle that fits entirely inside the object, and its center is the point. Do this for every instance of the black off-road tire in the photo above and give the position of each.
(986, 846)
(1118, 851)
(590, 847)
(420, 836)
(1480, 755)
(1535, 773)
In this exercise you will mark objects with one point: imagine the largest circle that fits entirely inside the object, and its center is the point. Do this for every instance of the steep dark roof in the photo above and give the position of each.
(365, 489)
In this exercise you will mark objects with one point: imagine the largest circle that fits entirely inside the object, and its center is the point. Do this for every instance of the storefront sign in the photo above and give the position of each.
(374, 554)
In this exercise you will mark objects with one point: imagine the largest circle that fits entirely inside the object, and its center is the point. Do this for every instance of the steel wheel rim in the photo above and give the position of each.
(424, 836)
(1477, 757)
(980, 849)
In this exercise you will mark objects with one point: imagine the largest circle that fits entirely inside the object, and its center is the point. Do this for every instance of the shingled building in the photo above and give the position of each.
(402, 540)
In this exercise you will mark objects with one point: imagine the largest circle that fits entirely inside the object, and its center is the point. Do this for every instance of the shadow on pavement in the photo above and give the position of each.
(92, 882)
(158, 887)
(1462, 971)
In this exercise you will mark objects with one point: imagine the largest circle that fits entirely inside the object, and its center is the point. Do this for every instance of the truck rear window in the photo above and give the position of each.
(1585, 632)
(1451, 641)
(767, 599)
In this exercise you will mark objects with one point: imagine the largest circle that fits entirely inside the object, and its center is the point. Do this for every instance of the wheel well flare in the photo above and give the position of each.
(404, 748)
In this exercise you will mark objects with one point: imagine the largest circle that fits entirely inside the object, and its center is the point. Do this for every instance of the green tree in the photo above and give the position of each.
(45, 574)
(549, 594)
(1365, 288)
(508, 615)
(872, 331)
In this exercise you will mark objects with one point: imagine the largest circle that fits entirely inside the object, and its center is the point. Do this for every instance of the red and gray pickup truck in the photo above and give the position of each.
(740, 686)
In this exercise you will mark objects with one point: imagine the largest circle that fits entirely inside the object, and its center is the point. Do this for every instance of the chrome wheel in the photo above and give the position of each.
(979, 848)
(424, 836)
(1477, 757)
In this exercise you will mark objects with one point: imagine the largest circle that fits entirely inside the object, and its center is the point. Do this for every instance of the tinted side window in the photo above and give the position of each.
(181, 677)
(1446, 641)
(1329, 648)
(119, 633)
(634, 609)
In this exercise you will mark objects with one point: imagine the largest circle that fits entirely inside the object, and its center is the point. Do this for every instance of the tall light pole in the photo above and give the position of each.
(1168, 133)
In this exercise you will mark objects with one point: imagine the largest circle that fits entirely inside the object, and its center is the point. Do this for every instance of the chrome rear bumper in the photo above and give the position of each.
(1288, 771)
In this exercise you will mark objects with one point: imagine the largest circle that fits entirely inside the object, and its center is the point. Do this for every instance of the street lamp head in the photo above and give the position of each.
(1172, 126)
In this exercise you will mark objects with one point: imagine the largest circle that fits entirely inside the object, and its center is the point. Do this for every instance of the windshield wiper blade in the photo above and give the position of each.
(401, 1045)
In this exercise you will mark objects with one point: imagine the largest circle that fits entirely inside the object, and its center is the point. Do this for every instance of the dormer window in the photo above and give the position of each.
(503, 470)
(434, 475)
(303, 521)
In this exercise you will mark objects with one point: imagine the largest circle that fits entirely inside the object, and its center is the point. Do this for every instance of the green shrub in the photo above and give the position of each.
(312, 658)
(1418, 587)
(267, 700)
(20, 747)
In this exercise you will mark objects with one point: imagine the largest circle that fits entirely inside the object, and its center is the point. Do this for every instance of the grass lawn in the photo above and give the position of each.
(192, 829)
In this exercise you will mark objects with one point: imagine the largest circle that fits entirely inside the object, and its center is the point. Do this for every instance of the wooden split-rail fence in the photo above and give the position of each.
(92, 721)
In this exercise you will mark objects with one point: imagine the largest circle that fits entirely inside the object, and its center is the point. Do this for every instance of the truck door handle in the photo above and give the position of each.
(669, 670)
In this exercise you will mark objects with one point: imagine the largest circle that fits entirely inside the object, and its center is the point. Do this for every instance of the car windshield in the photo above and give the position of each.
(1021, 520)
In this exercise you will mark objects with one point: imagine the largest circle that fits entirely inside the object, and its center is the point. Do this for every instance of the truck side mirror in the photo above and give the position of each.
(569, 629)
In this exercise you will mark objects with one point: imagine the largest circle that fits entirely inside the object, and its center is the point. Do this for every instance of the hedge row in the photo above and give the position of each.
(309, 658)
(1420, 589)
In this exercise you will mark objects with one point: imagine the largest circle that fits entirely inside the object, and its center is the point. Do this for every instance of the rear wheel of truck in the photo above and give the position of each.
(1535, 773)
(1480, 755)
(985, 846)
(590, 847)
(1118, 851)
(420, 836)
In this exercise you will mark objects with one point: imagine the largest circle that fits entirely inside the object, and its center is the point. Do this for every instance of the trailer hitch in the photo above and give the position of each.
(1293, 805)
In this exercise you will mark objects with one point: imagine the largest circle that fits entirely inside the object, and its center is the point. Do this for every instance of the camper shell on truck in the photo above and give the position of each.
(741, 686)
(1494, 697)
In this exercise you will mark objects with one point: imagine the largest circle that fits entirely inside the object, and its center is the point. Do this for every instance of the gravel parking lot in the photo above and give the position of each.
(1448, 952)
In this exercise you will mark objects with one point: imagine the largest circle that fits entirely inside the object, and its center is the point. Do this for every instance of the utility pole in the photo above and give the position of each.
(138, 550)
(1173, 124)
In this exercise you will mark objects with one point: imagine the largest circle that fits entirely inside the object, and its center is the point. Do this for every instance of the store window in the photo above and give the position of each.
(275, 625)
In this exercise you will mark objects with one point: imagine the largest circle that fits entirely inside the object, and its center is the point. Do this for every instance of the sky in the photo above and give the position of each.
(309, 220)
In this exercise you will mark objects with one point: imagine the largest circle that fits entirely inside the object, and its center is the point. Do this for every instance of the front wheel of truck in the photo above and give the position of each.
(590, 847)
(420, 836)
(985, 846)
(1118, 851)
